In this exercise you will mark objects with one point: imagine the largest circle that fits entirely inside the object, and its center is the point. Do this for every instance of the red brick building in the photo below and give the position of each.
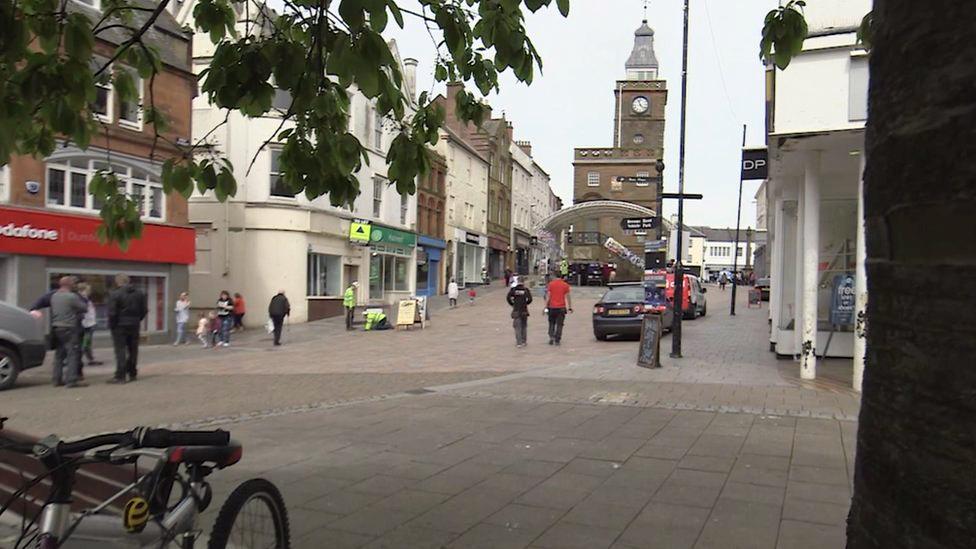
(431, 243)
(48, 219)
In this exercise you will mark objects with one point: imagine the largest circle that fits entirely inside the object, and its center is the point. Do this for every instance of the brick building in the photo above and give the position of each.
(48, 220)
(431, 243)
(492, 140)
(638, 143)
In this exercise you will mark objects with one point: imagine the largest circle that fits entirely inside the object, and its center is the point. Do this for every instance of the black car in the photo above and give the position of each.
(762, 284)
(621, 312)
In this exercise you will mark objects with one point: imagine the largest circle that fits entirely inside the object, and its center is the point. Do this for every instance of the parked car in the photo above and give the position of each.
(694, 303)
(621, 312)
(21, 343)
(762, 284)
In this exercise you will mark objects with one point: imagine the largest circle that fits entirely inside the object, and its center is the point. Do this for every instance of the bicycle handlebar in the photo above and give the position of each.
(143, 437)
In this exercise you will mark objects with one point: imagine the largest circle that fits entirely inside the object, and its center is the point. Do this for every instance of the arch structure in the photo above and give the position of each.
(592, 209)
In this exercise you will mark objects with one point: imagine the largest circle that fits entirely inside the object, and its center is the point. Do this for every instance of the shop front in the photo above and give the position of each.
(37, 247)
(392, 264)
(429, 265)
(497, 256)
(523, 248)
(469, 257)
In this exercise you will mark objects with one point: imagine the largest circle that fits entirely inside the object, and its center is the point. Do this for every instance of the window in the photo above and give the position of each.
(281, 100)
(377, 197)
(67, 186)
(203, 250)
(367, 124)
(404, 203)
(102, 106)
(643, 174)
(130, 112)
(738, 252)
(858, 88)
(277, 184)
(323, 272)
(92, 3)
(378, 131)
(593, 179)
(387, 273)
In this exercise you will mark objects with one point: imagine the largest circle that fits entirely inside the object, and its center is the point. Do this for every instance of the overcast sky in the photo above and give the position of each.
(571, 103)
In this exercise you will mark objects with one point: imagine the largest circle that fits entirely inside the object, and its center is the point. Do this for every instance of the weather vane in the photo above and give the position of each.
(645, 10)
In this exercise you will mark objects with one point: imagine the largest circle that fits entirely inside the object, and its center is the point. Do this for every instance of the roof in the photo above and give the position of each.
(642, 56)
(166, 35)
(728, 234)
(453, 136)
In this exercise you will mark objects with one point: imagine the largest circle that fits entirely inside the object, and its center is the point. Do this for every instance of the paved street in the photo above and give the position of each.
(452, 437)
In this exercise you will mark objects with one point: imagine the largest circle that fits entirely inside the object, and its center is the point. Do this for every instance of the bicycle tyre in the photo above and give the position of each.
(244, 493)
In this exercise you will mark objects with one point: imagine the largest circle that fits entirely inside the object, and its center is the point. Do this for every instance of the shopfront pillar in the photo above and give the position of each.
(811, 259)
(776, 270)
(860, 287)
(798, 272)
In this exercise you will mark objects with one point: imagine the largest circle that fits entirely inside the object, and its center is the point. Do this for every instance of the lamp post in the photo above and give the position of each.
(679, 277)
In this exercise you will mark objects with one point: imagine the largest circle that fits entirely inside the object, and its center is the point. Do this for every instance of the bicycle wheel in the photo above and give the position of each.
(254, 516)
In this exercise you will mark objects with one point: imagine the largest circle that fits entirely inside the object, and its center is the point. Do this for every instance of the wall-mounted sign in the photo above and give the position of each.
(637, 179)
(392, 236)
(360, 231)
(33, 187)
(638, 223)
(472, 238)
(842, 302)
(755, 163)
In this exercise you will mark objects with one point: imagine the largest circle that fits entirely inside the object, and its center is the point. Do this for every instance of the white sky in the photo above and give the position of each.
(571, 103)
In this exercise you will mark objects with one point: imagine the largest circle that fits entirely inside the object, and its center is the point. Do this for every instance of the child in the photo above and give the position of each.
(214, 323)
(471, 295)
(203, 330)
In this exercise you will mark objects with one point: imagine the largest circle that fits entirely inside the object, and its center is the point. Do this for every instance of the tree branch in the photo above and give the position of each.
(135, 37)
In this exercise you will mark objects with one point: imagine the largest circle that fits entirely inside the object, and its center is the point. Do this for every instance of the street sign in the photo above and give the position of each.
(637, 179)
(655, 245)
(638, 223)
(755, 163)
(360, 231)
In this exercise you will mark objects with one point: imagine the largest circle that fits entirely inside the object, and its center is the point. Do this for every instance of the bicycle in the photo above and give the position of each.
(254, 511)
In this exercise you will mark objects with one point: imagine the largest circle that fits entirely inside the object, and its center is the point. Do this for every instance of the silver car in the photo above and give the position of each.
(22, 344)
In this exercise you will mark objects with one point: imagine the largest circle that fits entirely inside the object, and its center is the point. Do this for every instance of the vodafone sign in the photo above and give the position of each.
(34, 232)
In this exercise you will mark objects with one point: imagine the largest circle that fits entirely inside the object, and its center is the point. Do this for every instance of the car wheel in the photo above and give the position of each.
(704, 310)
(9, 367)
(599, 336)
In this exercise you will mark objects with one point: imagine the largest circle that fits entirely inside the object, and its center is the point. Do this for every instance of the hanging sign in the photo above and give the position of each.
(755, 163)
(360, 231)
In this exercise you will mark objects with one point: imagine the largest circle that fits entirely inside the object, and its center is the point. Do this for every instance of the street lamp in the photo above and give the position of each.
(679, 274)
(659, 167)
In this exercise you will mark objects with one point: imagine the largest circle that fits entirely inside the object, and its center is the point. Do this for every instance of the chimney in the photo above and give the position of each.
(511, 131)
(525, 146)
(410, 77)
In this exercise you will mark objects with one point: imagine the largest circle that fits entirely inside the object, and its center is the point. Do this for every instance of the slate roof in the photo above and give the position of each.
(642, 56)
(166, 35)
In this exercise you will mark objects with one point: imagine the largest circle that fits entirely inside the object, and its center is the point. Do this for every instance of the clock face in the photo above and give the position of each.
(640, 105)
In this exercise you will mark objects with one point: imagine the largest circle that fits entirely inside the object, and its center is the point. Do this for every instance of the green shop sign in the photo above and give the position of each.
(383, 235)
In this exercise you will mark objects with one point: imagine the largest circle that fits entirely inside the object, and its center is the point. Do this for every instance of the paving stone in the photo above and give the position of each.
(531, 467)
(819, 475)
(814, 511)
(533, 520)
(636, 494)
(415, 501)
(568, 535)
(614, 448)
(740, 524)
(333, 539)
(663, 525)
(382, 485)
(613, 516)
(707, 463)
(552, 497)
(458, 478)
(342, 502)
(508, 484)
(564, 479)
(413, 538)
(804, 535)
(372, 521)
(825, 493)
(754, 493)
(491, 536)
(592, 467)
(302, 521)
(656, 450)
(459, 513)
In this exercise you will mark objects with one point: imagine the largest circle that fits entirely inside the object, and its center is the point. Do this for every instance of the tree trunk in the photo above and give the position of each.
(915, 472)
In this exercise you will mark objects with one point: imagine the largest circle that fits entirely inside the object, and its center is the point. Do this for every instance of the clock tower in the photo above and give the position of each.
(640, 98)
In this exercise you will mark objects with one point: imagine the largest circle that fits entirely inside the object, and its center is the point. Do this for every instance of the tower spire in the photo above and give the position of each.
(642, 63)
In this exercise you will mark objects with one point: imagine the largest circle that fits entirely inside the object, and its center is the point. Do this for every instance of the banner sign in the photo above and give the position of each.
(755, 163)
(624, 252)
(842, 300)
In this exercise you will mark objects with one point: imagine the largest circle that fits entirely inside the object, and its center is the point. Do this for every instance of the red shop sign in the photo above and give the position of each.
(32, 232)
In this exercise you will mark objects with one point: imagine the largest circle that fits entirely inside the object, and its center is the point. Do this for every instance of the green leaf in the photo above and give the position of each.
(125, 85)
(563, 7)
(78, 38)
(395, 10)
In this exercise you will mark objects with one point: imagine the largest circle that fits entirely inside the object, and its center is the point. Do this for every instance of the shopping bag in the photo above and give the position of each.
(269, 326)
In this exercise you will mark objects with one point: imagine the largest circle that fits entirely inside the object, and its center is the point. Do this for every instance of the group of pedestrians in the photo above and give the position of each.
(73, 320)
(214, 326)
(558, 303)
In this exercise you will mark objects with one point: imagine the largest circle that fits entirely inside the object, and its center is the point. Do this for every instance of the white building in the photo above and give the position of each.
(814, 210)
(720, 252)
(542, 203)
(266, 239)
(467, 208)
(521, 206)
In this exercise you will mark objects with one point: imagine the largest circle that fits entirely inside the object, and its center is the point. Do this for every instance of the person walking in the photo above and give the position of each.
(519, 297)
(557, 303)
(67, 309)
(240, 309)
(88, 322)
(225, 310)
(278, 309)
(722, 281)
(349, 302)
(452, 293)
(563, 268)
(508, 278)
(182, 311)
(127, 308)
(484, 276)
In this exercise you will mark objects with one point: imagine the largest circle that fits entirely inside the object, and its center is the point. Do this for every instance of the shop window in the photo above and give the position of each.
(423, 274)
(376, 276)
(858, 88)
(67, 186)
(277, 182)
(323, 274)
(130, 112)
(388, 273)
(101, 283)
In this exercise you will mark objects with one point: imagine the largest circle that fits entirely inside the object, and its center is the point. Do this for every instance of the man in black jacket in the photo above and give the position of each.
(519, 297)
(278, 309)
(127, 308)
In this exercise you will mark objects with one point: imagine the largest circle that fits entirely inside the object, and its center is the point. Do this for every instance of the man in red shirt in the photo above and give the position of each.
(558, 302)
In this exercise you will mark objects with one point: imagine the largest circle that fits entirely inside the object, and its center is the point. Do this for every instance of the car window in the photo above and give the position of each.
(626, 293)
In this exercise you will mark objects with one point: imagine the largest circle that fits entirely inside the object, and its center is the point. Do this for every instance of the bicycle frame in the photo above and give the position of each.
(95, 529)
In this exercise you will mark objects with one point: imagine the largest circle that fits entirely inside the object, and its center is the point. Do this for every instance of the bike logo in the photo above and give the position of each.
(136, 514)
